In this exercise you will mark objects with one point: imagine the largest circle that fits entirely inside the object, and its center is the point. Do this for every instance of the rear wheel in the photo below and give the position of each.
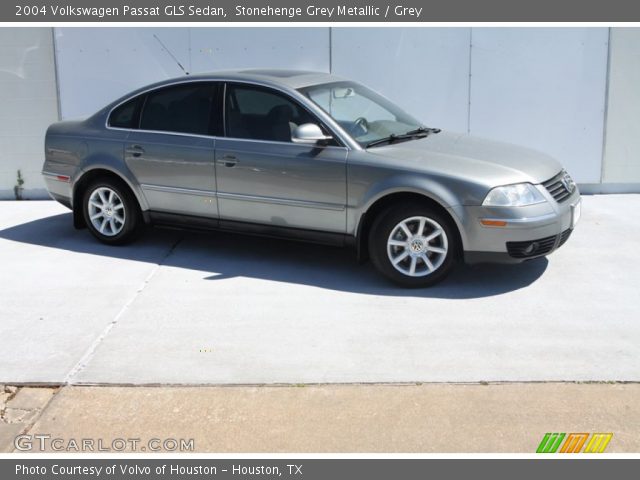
(111, 211)
(413, 245)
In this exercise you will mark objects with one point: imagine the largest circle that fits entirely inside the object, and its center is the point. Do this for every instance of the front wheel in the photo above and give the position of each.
(413, 246)
(111, 212)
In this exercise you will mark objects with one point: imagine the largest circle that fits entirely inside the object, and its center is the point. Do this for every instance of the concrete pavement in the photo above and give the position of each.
(339, 418)
(19, 409)
(183, 308)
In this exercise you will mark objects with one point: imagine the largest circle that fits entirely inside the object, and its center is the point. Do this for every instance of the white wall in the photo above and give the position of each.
(98, 65)
(543, 88)
(622, 149)
(29, 104)
(237, 48)
(424, 70)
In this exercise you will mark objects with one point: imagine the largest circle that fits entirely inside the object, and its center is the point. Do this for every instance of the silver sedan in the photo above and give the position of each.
(313, 157)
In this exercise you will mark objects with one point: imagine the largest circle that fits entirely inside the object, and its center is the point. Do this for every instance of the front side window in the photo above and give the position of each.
(262, 114)
(364, 114)
(184, 108)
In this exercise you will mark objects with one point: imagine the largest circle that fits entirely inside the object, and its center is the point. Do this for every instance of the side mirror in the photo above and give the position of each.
(342, 92)
(309, 133)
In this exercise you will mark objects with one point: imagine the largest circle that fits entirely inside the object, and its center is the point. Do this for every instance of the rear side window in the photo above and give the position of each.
(125, 116)
(183, 108)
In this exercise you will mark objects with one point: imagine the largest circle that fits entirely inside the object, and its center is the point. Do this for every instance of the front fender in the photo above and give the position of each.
(362, 201)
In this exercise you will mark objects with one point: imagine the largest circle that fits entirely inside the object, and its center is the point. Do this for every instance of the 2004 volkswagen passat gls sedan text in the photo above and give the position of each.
(313, 157)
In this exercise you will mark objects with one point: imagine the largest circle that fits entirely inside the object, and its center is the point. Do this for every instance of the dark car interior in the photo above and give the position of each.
(183, 109)
(262, 115)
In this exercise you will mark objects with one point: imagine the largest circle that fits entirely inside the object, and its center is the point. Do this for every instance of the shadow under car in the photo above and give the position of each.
(227, 255)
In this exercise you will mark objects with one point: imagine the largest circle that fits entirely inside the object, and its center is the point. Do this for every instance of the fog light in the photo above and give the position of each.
(532, 247)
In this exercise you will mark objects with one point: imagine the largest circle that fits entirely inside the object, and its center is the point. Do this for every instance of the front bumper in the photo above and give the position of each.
(523, 232)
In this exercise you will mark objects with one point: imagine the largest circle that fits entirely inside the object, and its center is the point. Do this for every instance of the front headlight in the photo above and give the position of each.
(518, 195)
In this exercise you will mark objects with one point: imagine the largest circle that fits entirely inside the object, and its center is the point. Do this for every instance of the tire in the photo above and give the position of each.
(422, 258)
(111, 212)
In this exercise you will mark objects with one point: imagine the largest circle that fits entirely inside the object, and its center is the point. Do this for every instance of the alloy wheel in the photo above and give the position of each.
(417, 246)
(106, 211)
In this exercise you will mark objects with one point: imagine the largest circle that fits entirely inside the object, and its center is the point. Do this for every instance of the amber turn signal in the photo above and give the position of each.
(493, 223)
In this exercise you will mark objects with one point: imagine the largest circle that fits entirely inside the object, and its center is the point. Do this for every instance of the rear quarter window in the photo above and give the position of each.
(125, 115)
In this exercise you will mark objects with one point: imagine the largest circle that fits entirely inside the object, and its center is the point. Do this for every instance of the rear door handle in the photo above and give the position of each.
(228, 161)
(135, 150)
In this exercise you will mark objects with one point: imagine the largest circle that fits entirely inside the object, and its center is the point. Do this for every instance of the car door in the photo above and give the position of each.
(264, 178)
(172, 151)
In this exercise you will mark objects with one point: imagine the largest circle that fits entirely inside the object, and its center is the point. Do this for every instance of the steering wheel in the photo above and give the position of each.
(362, 123)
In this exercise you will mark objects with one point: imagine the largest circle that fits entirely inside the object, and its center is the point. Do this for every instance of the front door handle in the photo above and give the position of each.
(228, 161)
(135, 150)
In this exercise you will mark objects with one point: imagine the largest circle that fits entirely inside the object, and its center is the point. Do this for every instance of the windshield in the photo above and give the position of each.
(365, 115)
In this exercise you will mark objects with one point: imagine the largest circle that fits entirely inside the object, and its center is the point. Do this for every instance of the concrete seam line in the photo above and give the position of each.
(355, 384)
(90, 352)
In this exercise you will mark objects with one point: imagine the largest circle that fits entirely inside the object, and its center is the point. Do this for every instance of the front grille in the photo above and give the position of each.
(557, 188)
(535, 248)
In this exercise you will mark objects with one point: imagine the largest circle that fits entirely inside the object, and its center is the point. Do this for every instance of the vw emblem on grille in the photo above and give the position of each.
(568, 182)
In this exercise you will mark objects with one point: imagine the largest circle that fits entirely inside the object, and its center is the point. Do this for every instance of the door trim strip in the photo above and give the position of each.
(184, 191)
(282, 201)
(246, 198)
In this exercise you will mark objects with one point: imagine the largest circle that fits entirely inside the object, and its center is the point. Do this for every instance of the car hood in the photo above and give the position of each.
(467, 157)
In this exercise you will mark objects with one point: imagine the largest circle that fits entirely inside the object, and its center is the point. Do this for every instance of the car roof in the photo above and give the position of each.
(287, 78)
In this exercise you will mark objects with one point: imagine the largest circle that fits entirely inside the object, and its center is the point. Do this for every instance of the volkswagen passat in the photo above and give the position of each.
(313, 157)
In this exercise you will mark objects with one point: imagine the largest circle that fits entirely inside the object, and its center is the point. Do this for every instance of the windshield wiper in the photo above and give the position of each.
(419, 132)
(427, 130)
